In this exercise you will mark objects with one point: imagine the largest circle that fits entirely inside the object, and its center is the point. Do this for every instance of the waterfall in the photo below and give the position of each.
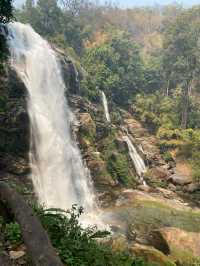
(58, 174)
(136, 158)
(105, 105)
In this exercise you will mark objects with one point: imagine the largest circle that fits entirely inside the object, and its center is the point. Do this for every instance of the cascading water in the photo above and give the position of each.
(105, 105)
(58, 174)
(136, 158)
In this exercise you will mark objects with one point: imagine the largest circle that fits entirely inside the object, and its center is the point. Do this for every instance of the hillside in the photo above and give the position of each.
(106, 116)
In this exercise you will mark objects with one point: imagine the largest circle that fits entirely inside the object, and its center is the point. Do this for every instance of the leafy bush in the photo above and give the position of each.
(167, 157)
(114, 66)
(156, 110)
(119, 169)
(13, 234)
(77, 246)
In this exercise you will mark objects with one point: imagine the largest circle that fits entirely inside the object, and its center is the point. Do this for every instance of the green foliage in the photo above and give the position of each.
(181, 57)
(153, 74)
(119, 169)
(6, 15)
(118, 164)
(13, 234)
(49, 19)
(181, 53)
(191, 149)
(78, 246)
(167, 157)
(5, 11)
(156, 110)
(114, 67)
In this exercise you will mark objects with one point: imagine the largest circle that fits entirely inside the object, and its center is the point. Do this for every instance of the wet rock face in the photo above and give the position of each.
(14, 126)
(99, 174)
(71, 75)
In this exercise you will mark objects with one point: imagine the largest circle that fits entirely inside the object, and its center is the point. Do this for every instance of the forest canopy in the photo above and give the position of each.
(147, 58)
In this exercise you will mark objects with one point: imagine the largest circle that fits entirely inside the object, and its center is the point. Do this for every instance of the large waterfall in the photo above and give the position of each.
(105, 105)
(58, 174)
(136, 158)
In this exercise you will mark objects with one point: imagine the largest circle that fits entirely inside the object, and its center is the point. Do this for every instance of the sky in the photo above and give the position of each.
(131, 3)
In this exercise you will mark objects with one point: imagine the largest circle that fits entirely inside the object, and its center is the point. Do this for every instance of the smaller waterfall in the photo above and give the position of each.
(136, 158)
(105, 105)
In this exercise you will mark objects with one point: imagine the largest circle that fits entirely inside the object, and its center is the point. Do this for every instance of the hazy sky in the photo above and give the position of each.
(129, 3)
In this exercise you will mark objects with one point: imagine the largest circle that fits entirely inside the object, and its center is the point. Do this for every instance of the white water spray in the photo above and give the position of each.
(136, 158)
(105, 105)
(58, 174)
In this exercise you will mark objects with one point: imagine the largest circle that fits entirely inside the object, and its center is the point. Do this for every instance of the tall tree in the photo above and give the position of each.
(49, 16)
(5, 10)
(74, 6)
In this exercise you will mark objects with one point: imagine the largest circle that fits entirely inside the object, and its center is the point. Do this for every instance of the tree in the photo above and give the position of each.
(115, 66)
(6, 10)
(29, 14)
(49, 15)
(74, 6)
(182, 55)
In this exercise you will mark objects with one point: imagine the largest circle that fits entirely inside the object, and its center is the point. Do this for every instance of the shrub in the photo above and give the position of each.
(77, 246)
(167, 157)
(13, 234)
(119, 169)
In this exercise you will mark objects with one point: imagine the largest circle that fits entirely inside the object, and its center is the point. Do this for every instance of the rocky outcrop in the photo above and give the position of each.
(87, 125)
(99, 172)
(14, 126)
(176, 241)
(181, 180)
(191, 188)
(157, 173)
(70, 73)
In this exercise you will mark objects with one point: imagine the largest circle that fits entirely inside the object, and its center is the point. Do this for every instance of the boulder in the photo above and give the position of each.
(144, 188)
(170, 240)
(172, 187)
(151, 255)
(15, 255)
(181, 180)
(157, 173)
(191, 188)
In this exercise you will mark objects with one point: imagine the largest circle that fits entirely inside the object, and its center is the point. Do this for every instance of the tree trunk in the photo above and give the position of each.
(35, 237)
(167, 89)
(185, 106)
